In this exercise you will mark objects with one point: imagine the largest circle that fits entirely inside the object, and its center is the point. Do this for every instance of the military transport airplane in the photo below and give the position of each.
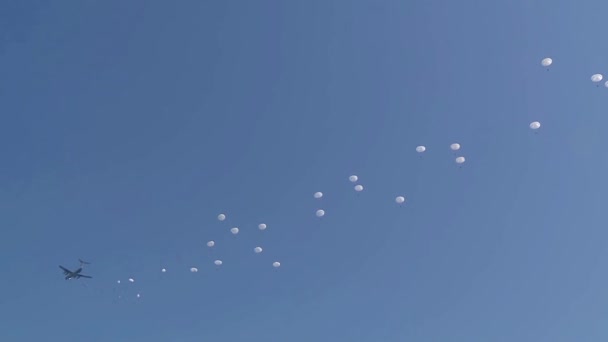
(75, 274)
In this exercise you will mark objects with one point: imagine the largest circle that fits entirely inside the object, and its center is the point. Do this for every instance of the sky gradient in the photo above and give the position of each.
(126, 127)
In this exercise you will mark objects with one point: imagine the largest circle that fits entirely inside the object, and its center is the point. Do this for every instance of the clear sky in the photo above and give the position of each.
(126, 127)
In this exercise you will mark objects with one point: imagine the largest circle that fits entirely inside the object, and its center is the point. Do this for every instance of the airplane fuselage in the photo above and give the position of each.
(73, 274)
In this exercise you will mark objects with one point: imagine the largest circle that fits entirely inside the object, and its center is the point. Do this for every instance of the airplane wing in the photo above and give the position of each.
(84, 276)
(65, 270)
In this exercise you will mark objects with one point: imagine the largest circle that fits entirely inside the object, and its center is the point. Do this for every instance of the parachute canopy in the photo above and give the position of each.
(276, 264)
(546, 62)
(358, 188)
(318, 194)
(399, 199)
(353, 178)
(193, 269)
(218, 262)
(131, 280)
(320, 213)
(420, 149)
(258, 250)
(221, 217)
(262, 226)
(460, 160)
(211, 243)
(595, 78)
(234, 230)
(455, 147)
(164, 270)
(535, 125)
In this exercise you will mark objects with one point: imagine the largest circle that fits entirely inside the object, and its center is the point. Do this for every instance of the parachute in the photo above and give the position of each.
(535, 125)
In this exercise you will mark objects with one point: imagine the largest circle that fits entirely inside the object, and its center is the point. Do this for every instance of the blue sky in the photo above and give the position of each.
(128, 126)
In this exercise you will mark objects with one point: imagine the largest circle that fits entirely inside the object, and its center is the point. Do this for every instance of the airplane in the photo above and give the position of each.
(75, 274)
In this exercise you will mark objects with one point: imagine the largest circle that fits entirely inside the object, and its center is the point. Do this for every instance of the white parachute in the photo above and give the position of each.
(320, 213)
(606, 84)
(455, 147)
(131, 280)
(460, 160)
(218, 262)
(276, 264)
(535, 125)
(318, 194)
(353, 178)
(193, 269)
(234, 230)
(596, 78)
(211, 243)
(358, 188)
(420, 149)
(163, 270)
(262, 226)
(399, 199)
(221, 217)
(258, 250)
(546, 62)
